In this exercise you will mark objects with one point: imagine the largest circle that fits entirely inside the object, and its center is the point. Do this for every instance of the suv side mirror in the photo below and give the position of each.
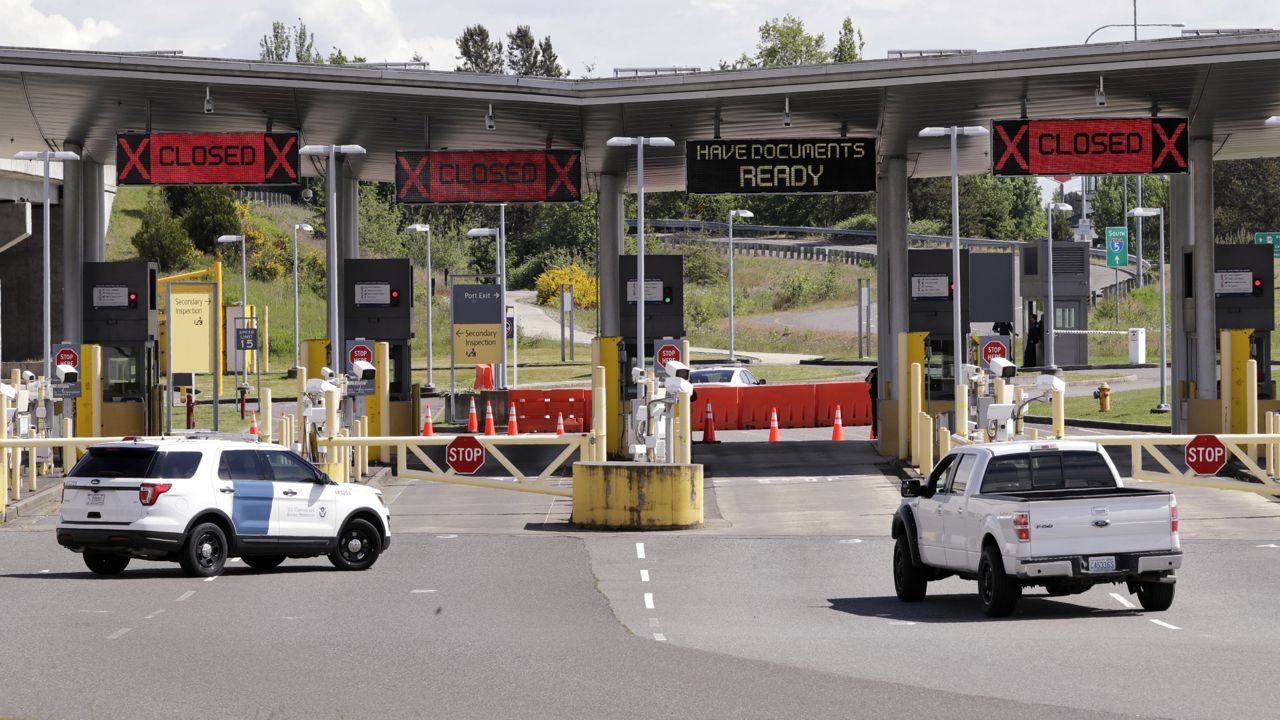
(760, 381)
(912, 488)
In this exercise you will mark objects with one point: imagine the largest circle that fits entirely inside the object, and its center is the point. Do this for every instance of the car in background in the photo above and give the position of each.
(732, 376)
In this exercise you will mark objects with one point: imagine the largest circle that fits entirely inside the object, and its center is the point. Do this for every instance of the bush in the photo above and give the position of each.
(927, 227)
(586, 289)
(863, 221)
(161, 238)
(704, 266)
(206, 212)
(792, 291)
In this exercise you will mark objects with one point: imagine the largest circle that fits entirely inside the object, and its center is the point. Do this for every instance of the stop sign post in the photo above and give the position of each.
(664, 351)
(1205, 454)
(464, 454)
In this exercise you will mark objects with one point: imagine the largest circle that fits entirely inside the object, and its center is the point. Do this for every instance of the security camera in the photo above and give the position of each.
(1050, 383)
(637, 374)
(28, 376)
(675, 368)
(363, 370)
(307, 194)
(489, 122)
(1002, 368)
(327, 373)
(67, 374)
(208, 102)
(677, 384)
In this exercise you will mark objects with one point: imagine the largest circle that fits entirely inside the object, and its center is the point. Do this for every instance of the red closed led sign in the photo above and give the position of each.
(442, 176)
(207, 159)
(1089, 147)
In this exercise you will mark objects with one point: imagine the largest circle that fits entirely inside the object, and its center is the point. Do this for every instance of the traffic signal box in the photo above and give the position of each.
(663, 298)
(377, 302)
(932, 297)
(120, 316)
(1244, 298)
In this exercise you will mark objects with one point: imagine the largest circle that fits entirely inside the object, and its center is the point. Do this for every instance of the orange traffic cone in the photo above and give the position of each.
(773, 426)
(837, 430)
(253, 423)
(428, 429)
(709, 426)
(559, 423)
(512, 427)
(472, 424)
(488, 418)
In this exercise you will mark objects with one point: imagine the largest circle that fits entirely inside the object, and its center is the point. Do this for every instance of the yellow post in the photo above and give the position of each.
(1059, 413)
(331, 398)
(1251, 404)
(300, 420)
(944, 441)
(686, 428)
(1269, 427)
(264, 409)
(1226, 350)
(1017, 401)
(68, 450)
(31, 470)
(4, 452)
(913, 409)
(999, 391)
(904, 398)
(1033, 435)
(962, 411)
(926, 443)
(380, 424)
(598, 410)
(89, 404)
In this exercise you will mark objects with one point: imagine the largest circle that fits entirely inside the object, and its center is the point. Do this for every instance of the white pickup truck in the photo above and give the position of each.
(1015, 515)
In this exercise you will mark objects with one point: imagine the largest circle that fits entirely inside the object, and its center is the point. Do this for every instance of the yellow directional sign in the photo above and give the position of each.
(191, 329)
(479, 343)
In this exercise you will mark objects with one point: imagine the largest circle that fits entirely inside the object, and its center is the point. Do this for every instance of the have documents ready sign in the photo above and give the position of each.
(820, 165)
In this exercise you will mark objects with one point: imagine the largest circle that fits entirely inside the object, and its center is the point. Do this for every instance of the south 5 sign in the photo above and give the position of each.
(1089, 147)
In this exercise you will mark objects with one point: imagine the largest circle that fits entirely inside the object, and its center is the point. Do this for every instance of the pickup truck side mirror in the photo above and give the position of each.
(912, 488)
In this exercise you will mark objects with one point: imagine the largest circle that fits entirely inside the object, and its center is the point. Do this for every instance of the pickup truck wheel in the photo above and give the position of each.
(999, 595)
(908, 580)
(105, 563)
(1155, 596)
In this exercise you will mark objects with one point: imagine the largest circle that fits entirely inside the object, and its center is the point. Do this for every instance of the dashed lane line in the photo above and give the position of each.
(421, 592)
(1123, 600)
(185, 595)
(644, 576)
(640, 551)
(152, 615)
(211, 579)
(118, 634)
(659, 637)
(1164, 624)
(648, 600)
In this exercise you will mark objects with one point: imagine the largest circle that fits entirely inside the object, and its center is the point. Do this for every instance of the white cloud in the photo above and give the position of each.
(26, 26)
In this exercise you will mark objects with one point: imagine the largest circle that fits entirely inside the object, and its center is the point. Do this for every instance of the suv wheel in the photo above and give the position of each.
(358, 546)
(999, 594)
(205, 553)
(105, 563)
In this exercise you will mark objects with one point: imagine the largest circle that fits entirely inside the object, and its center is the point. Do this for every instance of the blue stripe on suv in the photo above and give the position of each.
(251, 509)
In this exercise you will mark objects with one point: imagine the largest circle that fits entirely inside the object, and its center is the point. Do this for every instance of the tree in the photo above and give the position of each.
(477, 53)
(849, 45)
(523, 57)
(205, 211)
(550, 65)
(1026, 210)
(1246, 197)
(161, 238)
(784, 42)
(985, 206)
(283, 40)
(337, 57)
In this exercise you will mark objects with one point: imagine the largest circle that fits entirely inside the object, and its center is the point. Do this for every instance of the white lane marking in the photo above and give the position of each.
(119, 633)
(290, 617)
(640, 551)
(185, 595)
(1164, 624)
(234, 560)
(547, 518)
(653, 622)
(764, 481)
(42, 572)
(659, 637)
(851, 541)
(901, 622)
(99, 612)
(648, 600)
(644, 576)
(1123, 600)
(1268, 545)
(419, 592)
(148, 617)
(446, 537)
(211, 579)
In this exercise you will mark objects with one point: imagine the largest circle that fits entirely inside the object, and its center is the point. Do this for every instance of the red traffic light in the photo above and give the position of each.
(1257, 283)
(133, 296)
(395, 293)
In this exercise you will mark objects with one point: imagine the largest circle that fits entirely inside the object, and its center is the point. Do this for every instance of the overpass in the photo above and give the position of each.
(1225, 85)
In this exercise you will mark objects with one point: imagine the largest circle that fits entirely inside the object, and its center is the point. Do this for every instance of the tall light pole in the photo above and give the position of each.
(244, 295)
(426, 229)
(1050, 209)
(1142, 212)
(47, 157)
(297, 338)
(1135, 25)
(953, 132)
(733, 214)
(639, 142)
(331, 222)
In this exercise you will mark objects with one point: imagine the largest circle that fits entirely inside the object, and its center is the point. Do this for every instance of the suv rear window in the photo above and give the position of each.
(141, 462)
(1073, 469)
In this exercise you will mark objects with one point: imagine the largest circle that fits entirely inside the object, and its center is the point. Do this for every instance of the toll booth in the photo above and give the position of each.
(120, 316)
(378, 305)
(1070, 298)
(1244, 299)
(930, 321)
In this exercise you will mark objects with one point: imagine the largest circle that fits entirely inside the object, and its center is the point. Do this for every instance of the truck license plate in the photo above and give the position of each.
(97, 499)
(1103, 564)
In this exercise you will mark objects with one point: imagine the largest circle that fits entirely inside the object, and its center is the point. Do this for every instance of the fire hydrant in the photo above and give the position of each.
(1103, 393)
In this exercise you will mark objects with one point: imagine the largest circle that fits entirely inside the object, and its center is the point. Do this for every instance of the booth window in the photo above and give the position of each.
(120, 377)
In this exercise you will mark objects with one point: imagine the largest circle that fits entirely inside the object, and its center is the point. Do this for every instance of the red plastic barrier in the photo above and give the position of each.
(796, 406)
(726, 407)
(484, 377)
(852, 397)
(538, 409)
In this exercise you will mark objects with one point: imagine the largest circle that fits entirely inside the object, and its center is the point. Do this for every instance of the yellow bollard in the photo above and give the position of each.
(264, 411)
(1251, 404)
(913, 410)
(4, 452)
(1268, 427)
(1059, 413)
(944, 442)
(31, 470)
(926, 444)
(598, 414)
(1226, 354)
(962, 411)
(68, 450)
(1017, 401)
(903, 387)
(1033, 435)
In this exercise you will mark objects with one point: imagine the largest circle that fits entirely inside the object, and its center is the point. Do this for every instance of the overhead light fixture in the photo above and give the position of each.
(1100, 94)
(489, 123)
(786, 113)
(208, 102)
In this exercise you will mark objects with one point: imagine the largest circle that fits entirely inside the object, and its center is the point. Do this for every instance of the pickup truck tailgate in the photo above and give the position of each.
(1086, 526)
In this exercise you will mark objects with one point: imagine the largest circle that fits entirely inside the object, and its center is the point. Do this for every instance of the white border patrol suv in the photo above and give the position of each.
(202, 501)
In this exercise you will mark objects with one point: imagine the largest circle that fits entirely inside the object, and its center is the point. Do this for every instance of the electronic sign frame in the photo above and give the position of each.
(488, 176)
(792, 166)
(1095, 146)
(207, 159)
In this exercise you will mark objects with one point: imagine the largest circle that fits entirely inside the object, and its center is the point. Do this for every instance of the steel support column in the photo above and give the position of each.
(891, 268)
(611, 246)
(93, 205)
(72, 249)
(1182, 307)
(1206, 358)
(347, 209)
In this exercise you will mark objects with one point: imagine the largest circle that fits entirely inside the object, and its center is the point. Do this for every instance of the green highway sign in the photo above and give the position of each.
(1269, 238)
(1117, 247)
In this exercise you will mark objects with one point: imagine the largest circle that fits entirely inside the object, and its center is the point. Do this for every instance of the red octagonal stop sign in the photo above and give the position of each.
(360, 353)
(464, 454)
(67, 356)
(1206, 454)
(993, 349)
(666, 354)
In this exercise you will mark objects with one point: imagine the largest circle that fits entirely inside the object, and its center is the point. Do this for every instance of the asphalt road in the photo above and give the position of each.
(489, 605)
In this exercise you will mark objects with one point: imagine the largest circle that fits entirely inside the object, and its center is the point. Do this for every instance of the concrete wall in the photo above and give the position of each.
(21, 273)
